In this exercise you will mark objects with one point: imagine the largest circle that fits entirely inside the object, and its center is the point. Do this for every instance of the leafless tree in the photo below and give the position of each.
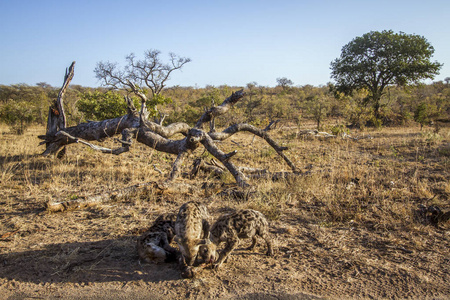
(138, 75)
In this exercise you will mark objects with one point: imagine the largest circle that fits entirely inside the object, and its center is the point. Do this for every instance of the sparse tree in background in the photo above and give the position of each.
(251, 87)
(447, 80)
(424, 114)
(318, 107)
(379, 59)
(253, 101)
(284, 82)
(139, 75)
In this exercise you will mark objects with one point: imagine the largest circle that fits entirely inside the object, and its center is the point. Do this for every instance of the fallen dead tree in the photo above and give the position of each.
(135, 126)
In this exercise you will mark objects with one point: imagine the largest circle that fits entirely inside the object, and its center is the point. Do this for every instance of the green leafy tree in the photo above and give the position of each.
(318, 107)
(100, 106)
(379, 59)
(38, 97)
(424, 113)
(276, 107)
(209, 98)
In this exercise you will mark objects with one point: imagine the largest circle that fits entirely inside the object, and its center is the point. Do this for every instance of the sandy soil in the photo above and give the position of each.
(71, 255)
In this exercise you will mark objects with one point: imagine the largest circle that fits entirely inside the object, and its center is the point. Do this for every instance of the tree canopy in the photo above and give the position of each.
(284, 82)
(379, 59)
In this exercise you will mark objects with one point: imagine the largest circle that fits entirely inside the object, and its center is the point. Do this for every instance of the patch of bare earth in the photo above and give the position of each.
(344, 229)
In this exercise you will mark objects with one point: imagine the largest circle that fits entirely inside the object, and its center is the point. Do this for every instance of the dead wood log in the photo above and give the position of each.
(200, 164)
(115, 195)
(251, 173)
(90, 131)
(271, 125)
(98, 131)
(224, 158)
(314, 133)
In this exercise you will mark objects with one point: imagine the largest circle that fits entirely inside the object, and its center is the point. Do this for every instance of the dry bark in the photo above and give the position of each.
(56, 117)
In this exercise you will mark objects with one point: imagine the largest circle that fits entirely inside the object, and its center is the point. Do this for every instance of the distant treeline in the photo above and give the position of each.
(21, 104)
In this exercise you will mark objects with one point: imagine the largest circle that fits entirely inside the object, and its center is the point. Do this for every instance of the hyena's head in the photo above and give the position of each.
(202, 248)
(207, 252)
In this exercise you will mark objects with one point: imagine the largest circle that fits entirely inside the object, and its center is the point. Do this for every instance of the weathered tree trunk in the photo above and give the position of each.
(56, 117)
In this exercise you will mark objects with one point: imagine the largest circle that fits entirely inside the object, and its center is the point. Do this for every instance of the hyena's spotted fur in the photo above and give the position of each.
(230, 228)
(154, 244)
(191, 231)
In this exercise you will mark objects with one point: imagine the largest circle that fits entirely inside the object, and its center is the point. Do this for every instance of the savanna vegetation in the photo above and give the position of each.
(365, 216)
(23, 105)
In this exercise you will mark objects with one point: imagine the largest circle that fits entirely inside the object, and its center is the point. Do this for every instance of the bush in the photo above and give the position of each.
(100, 106)
(339, 130)
(424, 113)
(18, 115)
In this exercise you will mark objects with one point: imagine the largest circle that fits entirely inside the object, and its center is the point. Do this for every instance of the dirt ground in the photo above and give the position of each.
(90, 253)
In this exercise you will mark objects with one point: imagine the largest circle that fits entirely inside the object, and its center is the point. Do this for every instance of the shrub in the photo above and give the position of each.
(101, 106)
(18, 115)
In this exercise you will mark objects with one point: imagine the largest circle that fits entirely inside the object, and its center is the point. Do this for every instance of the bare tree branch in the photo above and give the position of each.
(221, 109)
(261, 133)
(150, 72)
(208, 143)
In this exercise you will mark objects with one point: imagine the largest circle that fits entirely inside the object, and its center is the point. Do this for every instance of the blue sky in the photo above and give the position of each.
(230, 42)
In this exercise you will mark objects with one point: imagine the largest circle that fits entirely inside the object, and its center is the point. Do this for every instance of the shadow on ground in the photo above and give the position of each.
(83, 262)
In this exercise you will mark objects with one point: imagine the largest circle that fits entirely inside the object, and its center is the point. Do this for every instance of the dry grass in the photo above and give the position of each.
(350, 215)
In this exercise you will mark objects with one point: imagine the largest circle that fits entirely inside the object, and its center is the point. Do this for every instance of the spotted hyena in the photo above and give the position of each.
(230, 228)
(191, 231)
(154, 244)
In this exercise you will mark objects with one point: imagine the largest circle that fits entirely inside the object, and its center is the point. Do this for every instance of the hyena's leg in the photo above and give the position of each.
(252, 246)
(171, 252)
(231, 244)
(266, 237)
